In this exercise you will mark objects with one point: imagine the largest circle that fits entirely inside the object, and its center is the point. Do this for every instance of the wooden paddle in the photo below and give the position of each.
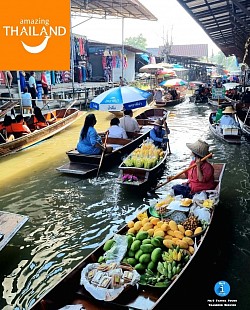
(180, 173)
(105, 143)
(70, 105)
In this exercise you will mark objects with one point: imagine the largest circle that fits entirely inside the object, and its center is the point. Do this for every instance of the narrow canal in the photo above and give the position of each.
(69, 216)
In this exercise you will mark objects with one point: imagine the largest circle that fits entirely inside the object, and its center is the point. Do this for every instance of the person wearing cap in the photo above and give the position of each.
(158, 134)
(228, 118)
(201, 177)
(128, 123)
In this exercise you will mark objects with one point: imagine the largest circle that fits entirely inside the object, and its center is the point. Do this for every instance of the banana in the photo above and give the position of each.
(179, 256)
(175, 255)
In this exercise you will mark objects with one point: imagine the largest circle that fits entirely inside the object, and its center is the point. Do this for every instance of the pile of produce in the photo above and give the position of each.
(147, 156)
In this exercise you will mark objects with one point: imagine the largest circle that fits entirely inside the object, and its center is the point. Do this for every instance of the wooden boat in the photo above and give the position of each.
(243, 115)
(69, 291)
(4, 108)
(144, 177)
(229, 135)
(61, 118)
(219, 102)
(170, 103)
(10, 223)
(150, 115)
(84, 165)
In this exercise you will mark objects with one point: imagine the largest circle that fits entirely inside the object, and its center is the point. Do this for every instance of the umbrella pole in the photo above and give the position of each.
(122, 47)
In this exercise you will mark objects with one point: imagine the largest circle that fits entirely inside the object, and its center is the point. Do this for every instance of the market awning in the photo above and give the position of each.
(226, 22)
(117, 8)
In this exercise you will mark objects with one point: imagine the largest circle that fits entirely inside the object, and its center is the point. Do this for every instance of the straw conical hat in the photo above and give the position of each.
(200, 148)
(228, 110)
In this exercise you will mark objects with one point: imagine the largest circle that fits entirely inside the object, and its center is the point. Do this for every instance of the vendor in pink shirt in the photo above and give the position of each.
(200, 177)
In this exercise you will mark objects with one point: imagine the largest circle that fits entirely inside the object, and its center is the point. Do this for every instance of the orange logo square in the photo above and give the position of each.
(35, 36)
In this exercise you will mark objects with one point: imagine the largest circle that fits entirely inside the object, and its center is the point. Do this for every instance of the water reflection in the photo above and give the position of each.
(69, 216)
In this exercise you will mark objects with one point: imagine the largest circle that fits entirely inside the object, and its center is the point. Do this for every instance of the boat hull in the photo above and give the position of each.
(169, 103)
(150, 115)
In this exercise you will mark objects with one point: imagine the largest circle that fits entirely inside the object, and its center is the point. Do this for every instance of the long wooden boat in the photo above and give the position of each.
(4, 108)
(84, 165)
(150, 115)
(10, 223)
(219, 102)
(170, 103)
(229, 135)
(69, 291)
(61, 118)
(141, 177)
(243, 115)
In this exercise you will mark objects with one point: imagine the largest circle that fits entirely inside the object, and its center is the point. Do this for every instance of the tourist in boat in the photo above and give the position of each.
(7, 124)
(201, 177)
(128, 123)
(39, 120)
(168, 96)
(90, 143)
(26, 100)
(6, 130)
(158, 134)
(19, 127)
(158, 95)
(115, 131)
(228, 118)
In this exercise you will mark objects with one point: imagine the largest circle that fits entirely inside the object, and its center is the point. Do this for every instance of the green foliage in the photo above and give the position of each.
(229, 63)
(138, 42)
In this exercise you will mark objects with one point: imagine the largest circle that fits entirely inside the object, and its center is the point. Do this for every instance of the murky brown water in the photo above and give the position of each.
(69, 216)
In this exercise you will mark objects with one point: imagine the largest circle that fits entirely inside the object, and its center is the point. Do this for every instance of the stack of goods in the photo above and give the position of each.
(161, 206)
(147, 156)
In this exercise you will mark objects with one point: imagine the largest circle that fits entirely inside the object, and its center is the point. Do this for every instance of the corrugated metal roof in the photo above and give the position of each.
(226, 22)
(117, 8)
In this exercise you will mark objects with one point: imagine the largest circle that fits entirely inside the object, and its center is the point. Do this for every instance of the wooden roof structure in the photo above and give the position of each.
(115, 8)
(226, 22)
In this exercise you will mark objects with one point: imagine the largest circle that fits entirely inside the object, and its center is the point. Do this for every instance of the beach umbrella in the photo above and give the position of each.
(231, 85)
(119, 98)
(194, 83)
(173, 82)
(150, 68)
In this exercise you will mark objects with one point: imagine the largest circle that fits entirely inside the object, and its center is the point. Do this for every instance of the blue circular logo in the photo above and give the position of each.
(222, 288)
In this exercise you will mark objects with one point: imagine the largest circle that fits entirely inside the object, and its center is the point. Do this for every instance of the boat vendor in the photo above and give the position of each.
(158, 134)
(128, 123)
(115, 131)
(200, 177)
(228, 118)
(90, 142)
(158, 94)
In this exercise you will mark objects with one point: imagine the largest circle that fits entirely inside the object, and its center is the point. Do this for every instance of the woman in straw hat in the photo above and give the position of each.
(228, 118)
(158, 134)
(200, 177)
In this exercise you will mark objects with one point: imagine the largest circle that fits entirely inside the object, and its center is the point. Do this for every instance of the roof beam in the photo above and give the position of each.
(240, 6)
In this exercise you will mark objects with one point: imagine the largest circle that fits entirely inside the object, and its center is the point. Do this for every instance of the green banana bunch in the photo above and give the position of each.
(168, 256)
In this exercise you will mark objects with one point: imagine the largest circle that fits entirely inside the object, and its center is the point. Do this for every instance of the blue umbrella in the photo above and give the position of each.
(119, 98)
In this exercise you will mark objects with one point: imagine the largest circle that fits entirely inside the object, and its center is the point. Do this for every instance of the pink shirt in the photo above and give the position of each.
(207, 182)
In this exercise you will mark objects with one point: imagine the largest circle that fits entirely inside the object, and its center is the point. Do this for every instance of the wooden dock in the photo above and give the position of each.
(10, 223)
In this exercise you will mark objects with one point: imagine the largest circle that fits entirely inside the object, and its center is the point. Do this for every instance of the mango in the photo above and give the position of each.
(159, 224)
(145, 258)
(135, 246)
(181, 228)
(198, 230)
(132, 231)
(173, 226)
(191, 250)
(171, 233)
(147, 226)
(168, 243)
(130, 224)
(147, 248)
(156, 255)
(108, 245)
(144, 221)
(190, 241)
(138, 254)
(156, 242)
(137, 225)
(178, 234)
(183, 244)
(150, 232)
(160, 233)
(140, 267)
(151, 266)
(146, 241)
(168, 237)
(165, 227)
(155, 220)
(131, 261)
(142, 235)
(188, 233)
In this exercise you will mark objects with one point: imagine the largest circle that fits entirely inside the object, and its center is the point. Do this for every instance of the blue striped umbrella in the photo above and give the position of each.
(119, 98)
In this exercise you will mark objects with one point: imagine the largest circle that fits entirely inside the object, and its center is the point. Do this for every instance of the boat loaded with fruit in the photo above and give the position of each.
(145, 258)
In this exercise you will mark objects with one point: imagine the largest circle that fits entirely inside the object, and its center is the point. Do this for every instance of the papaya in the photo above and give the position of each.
(147, 248)
(108, 245)
(131, 261)
(146, 241)
(140, 267)
(141, 235)
(156, 255)
(138, 254)
(135, 245)
(145, 258)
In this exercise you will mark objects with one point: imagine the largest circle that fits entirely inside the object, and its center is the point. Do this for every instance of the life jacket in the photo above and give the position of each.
(2, 127)
(39, 124)
(18, 128)
(9, 129)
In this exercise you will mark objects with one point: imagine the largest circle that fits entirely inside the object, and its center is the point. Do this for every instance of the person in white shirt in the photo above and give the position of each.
(158, 94)
(115, 131)
(128, 123)
(32, 88)
(26, 100)
(228, 118)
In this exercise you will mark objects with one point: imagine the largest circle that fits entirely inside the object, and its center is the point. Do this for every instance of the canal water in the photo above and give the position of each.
(70, 216)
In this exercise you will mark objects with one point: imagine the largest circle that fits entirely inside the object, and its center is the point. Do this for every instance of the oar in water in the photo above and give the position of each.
(70, 105)
(180, 173)
(105, 143)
